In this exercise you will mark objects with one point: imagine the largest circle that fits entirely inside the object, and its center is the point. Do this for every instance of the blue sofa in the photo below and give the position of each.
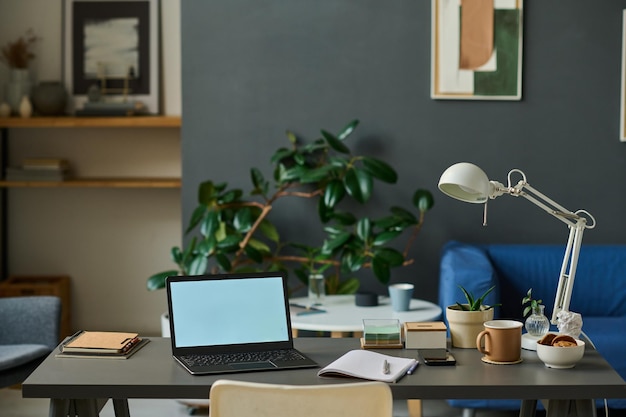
(599, 293)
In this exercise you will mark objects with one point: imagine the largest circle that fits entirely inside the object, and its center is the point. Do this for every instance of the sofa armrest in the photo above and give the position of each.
(467, 266)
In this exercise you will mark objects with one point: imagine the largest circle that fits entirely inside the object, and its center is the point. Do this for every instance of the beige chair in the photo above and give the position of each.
(250, 399)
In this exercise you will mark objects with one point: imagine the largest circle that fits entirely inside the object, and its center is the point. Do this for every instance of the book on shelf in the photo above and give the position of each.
(365, 364)
(45, 163)
(27, 174)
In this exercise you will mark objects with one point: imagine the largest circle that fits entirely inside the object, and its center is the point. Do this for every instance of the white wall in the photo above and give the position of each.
(107, 240)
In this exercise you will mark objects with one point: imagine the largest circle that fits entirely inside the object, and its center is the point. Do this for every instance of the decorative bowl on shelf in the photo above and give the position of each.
(561, 357)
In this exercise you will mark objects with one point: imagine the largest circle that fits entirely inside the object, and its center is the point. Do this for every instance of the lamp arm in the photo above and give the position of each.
(577, 223)
(568, 269)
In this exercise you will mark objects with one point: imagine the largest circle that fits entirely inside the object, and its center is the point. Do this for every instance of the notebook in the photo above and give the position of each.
(232, 323)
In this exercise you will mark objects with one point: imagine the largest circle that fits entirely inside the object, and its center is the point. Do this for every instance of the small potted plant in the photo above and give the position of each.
(537, 324)
(466, 319)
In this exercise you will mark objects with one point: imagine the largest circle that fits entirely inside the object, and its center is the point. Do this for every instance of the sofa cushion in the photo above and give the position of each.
(16, 355)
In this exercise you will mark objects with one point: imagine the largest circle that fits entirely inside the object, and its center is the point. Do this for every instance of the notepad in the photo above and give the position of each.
(365, 364)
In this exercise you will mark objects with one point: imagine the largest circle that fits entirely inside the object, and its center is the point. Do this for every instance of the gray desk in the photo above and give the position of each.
(152, 373)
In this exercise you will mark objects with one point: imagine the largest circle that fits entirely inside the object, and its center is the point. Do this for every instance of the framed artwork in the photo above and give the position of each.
(476, 49)
(622, 107)
(111, 50)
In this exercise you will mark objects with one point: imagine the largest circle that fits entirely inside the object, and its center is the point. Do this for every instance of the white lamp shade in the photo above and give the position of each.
(465, 182)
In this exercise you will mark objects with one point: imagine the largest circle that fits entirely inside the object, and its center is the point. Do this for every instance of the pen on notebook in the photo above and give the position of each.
(385, 367)
(412, 368)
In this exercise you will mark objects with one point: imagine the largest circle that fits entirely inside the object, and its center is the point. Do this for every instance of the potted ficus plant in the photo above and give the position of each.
(465, 320)
(232, 230)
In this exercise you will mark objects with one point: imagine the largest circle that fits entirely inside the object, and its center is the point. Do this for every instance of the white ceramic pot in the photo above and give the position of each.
(465, 325)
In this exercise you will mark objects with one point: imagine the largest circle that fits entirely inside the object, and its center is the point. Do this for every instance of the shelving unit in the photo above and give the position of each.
(68, 122)
(89, 122)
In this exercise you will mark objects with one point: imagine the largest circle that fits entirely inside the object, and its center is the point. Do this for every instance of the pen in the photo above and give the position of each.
(412, 368)
(385, 367)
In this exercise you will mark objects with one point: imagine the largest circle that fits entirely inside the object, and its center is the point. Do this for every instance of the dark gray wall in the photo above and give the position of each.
(253, 68)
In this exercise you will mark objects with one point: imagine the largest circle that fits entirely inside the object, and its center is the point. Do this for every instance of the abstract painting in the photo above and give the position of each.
(476, 49)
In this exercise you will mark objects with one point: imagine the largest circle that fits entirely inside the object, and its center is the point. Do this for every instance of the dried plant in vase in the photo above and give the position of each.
(19, 53)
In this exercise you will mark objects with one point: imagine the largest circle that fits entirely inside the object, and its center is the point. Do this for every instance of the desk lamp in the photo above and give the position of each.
(467, 182)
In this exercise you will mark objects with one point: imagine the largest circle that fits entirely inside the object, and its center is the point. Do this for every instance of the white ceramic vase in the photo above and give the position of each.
(26, 108)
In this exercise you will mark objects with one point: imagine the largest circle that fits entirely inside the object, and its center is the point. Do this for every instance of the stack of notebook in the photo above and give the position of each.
(114, 345)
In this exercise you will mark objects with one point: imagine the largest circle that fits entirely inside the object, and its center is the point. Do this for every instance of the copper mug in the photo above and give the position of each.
(502, 341)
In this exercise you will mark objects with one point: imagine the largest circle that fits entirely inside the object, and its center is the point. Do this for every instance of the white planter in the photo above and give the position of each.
(465, 325)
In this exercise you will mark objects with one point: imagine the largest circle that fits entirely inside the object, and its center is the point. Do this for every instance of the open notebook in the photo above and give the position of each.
(232, 323)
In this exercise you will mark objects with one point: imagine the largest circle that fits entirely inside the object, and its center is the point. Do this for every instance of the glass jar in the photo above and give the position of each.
(537, 324)
(317, 289)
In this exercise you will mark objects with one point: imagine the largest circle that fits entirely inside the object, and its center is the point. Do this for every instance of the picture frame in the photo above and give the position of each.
(476, 50)
(111, 56)
(622, 107)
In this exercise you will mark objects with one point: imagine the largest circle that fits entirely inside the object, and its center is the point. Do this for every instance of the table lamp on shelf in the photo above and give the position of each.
(467, 182)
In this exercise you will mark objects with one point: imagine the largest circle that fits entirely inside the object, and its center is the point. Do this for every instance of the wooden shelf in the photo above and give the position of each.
(97, 183)
(72, 122)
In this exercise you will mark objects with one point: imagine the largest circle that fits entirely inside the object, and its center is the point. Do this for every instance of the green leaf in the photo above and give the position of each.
(292, 137)
(335, 242)
(243, 220)
(223, 262)
(344, 218)
(324, 213)
(392, 256)
(358, 184)
(230, 242)
(379, 169)
(206, 193)
(423, 200)
(230, 196)
(176, 255)
(157, 281)
(281, 154)
(349, 286)
(346, 131)
(198, 265)
(333, 193)
(269, 230)
(363, 229)
(253, 254)
(335, 143)
(385, 237)
(210, 224)
(381, 269)
(258, 180)
(259, 246)
(315, 174)
(196, 217)
(404, 214)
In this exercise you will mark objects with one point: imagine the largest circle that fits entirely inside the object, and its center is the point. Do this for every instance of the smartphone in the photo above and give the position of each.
(437, 357)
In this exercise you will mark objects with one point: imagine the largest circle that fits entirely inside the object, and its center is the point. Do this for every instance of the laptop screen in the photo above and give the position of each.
(228, 310)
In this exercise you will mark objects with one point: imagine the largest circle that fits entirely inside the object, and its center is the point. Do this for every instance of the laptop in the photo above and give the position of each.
(232, 323)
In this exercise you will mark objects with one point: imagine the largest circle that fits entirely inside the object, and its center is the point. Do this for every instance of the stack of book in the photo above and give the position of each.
(39, 169)
(110, 109)
(113, 345)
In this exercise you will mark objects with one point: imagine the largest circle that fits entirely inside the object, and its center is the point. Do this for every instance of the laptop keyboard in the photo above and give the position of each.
(226, 358)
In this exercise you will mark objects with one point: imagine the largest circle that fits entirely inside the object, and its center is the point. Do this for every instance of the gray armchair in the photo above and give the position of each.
(29, 331)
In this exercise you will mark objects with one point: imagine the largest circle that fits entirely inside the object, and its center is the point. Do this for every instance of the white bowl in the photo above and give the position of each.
(561, 357)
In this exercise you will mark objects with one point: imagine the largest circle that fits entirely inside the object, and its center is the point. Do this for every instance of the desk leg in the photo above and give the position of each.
(59, 407)
(120, 407)
(559, 408)
(528, 408)
(87, 407)
(414, 407)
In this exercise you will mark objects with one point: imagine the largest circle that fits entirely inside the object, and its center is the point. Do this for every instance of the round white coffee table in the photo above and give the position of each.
(343, 316)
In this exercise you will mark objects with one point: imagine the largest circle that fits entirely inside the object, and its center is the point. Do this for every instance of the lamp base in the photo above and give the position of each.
(529, 342)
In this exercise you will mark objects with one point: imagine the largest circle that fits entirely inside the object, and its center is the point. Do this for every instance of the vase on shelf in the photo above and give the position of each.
(19, 85)
(26, 108)
(49, 98)
(537, 324)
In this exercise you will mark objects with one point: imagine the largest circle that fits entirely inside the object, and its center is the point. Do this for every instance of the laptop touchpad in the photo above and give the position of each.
(252, 365)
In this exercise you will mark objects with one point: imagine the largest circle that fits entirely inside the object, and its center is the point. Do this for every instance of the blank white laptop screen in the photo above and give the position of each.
(214, 312)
